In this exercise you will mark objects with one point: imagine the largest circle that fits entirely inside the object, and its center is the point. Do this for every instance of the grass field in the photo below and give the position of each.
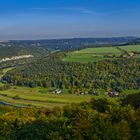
(33, 97)
(131, 48)
(23, 96)
(97, 54)
(131, 91)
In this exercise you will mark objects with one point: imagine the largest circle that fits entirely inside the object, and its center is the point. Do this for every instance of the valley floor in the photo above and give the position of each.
(23, 97)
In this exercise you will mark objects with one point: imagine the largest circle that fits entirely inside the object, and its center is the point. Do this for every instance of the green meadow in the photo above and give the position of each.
(129, 48)
(22, 96)
(98, 54)
(34, 97)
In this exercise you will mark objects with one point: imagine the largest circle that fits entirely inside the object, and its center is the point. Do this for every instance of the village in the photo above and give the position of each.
(110, 93)
(131, 54)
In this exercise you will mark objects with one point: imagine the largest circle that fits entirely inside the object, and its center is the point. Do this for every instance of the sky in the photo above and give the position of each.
(45, 19)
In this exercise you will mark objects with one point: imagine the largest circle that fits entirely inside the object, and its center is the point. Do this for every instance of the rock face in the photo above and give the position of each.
(16, 58)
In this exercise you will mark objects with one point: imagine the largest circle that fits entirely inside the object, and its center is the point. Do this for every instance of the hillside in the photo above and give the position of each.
(77, 77)
(102, 53)
(7, 51)
(74, 43)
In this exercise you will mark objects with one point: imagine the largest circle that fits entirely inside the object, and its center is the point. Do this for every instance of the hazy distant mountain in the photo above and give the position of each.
(65, 44)
(136, 41)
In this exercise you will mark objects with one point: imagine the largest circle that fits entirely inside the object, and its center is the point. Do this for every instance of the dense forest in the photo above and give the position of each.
(99, 119)
(77, 77)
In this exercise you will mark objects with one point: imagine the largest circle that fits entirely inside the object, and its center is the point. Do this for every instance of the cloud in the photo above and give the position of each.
(81, 10)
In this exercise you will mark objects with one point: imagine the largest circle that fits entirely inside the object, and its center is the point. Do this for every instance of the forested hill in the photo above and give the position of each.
(8, 51)
(51, 72)
(66, 44)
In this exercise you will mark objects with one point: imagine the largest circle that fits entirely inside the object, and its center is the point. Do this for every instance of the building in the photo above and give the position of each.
(113, 94)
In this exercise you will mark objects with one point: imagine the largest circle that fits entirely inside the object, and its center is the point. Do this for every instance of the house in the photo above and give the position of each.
(131, 54)
(58, 91)
(82, 93)
(113, 94)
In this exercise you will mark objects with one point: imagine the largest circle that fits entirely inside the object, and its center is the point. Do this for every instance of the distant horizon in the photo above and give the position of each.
(70, 38)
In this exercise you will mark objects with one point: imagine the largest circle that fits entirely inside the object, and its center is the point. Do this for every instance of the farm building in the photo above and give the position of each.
(113, 94)
(56, 91)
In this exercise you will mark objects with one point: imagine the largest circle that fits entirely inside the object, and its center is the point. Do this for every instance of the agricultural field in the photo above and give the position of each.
(40, 97)
(22, 96)
(98, 54)
(134, 48)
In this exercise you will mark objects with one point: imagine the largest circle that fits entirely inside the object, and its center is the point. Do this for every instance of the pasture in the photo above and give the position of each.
(34, 97)
(98, 54)
(135, 48)
(23, 96)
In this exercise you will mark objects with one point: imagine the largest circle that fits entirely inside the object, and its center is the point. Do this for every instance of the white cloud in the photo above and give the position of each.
(73, 9)
(80, 10)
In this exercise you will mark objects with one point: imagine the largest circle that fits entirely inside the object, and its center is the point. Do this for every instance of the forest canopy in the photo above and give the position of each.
(52, 72)
(97, 119)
